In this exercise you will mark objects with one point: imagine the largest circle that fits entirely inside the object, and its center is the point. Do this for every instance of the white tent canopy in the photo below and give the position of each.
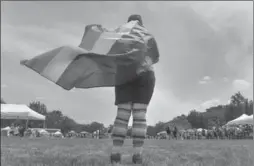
(58, 133)
(243, 119)
(162, 132)
(6, 128)
(18, 111)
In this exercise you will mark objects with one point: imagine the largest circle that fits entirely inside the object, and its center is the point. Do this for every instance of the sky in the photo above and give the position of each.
(206, 53)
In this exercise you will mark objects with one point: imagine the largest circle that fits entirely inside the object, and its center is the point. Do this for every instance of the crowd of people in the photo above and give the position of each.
(171, 132)
(16, 130)
(223, 132)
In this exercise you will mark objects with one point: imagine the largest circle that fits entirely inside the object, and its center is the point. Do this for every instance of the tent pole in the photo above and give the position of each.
(44, 124)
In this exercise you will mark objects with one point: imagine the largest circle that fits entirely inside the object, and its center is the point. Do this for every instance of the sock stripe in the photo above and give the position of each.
(118, 142)
(118, 135)
(138, 143)
(123, 121)
(139, 131)
(139, 110)
(139, 125)
(139, 106)
(124, 110)
(139, 120)
(120, 131)
(120, 124)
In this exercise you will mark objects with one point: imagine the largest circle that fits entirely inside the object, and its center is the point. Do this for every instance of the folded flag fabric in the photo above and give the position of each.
(104, 58)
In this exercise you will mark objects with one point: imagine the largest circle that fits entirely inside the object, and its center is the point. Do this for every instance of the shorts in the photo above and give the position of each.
(140, 90)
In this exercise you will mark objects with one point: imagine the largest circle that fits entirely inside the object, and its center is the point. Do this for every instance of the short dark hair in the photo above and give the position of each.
(135, 17)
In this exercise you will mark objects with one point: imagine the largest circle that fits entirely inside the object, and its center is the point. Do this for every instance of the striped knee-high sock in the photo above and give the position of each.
(139, 126)
(120, 126)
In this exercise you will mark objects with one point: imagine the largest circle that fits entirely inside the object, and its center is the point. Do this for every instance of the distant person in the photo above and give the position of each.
(134, 97)
(175, 132)
(12, 129)
(168, 130)
(21, 131)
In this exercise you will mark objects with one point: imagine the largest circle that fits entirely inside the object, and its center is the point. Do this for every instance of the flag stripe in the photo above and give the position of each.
(129, 40)
(78, 69)
(104, 44)
(40, 62)
(126, 28)
(91, 35)
(60, 62)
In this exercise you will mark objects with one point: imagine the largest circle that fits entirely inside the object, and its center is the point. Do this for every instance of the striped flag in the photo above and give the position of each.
(104, 58)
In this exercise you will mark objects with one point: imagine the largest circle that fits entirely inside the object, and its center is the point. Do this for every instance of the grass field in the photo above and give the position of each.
(88, 152)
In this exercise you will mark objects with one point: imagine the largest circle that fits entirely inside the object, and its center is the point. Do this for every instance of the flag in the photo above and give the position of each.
(103, 59)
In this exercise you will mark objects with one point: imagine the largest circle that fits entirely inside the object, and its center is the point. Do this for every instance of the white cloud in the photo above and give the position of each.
(241, 85)
(208, 104)
(207, 78)
(204, 80)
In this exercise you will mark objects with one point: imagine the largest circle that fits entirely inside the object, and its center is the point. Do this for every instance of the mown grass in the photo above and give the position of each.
(91, 152)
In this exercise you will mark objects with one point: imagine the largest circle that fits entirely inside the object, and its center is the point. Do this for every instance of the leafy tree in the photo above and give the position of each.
(41, 108)
(238, 106)
(151, 131)
(38, 107)
(95, 126)
(249, 107)
(237, 99)
(181, 122)
(67, 124)
(229, 112)
(54, 119)
(160, 126)
(195, 119)
(250, 111)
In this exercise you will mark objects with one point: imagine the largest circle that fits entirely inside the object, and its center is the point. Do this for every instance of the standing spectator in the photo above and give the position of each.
(168, 130)
(21, 131)
(175, 132)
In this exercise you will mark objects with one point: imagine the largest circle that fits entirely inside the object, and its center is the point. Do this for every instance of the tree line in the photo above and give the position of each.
(214, 116)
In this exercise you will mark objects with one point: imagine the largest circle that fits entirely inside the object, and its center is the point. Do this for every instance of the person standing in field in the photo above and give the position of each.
(134, 97)
(175, 132)
(168, 130)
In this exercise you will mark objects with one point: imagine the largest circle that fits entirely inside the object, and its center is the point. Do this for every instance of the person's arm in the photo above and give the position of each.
(153, 50)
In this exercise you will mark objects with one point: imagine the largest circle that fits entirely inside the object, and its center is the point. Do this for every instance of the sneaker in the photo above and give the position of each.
(115, 158)
(137, 159)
